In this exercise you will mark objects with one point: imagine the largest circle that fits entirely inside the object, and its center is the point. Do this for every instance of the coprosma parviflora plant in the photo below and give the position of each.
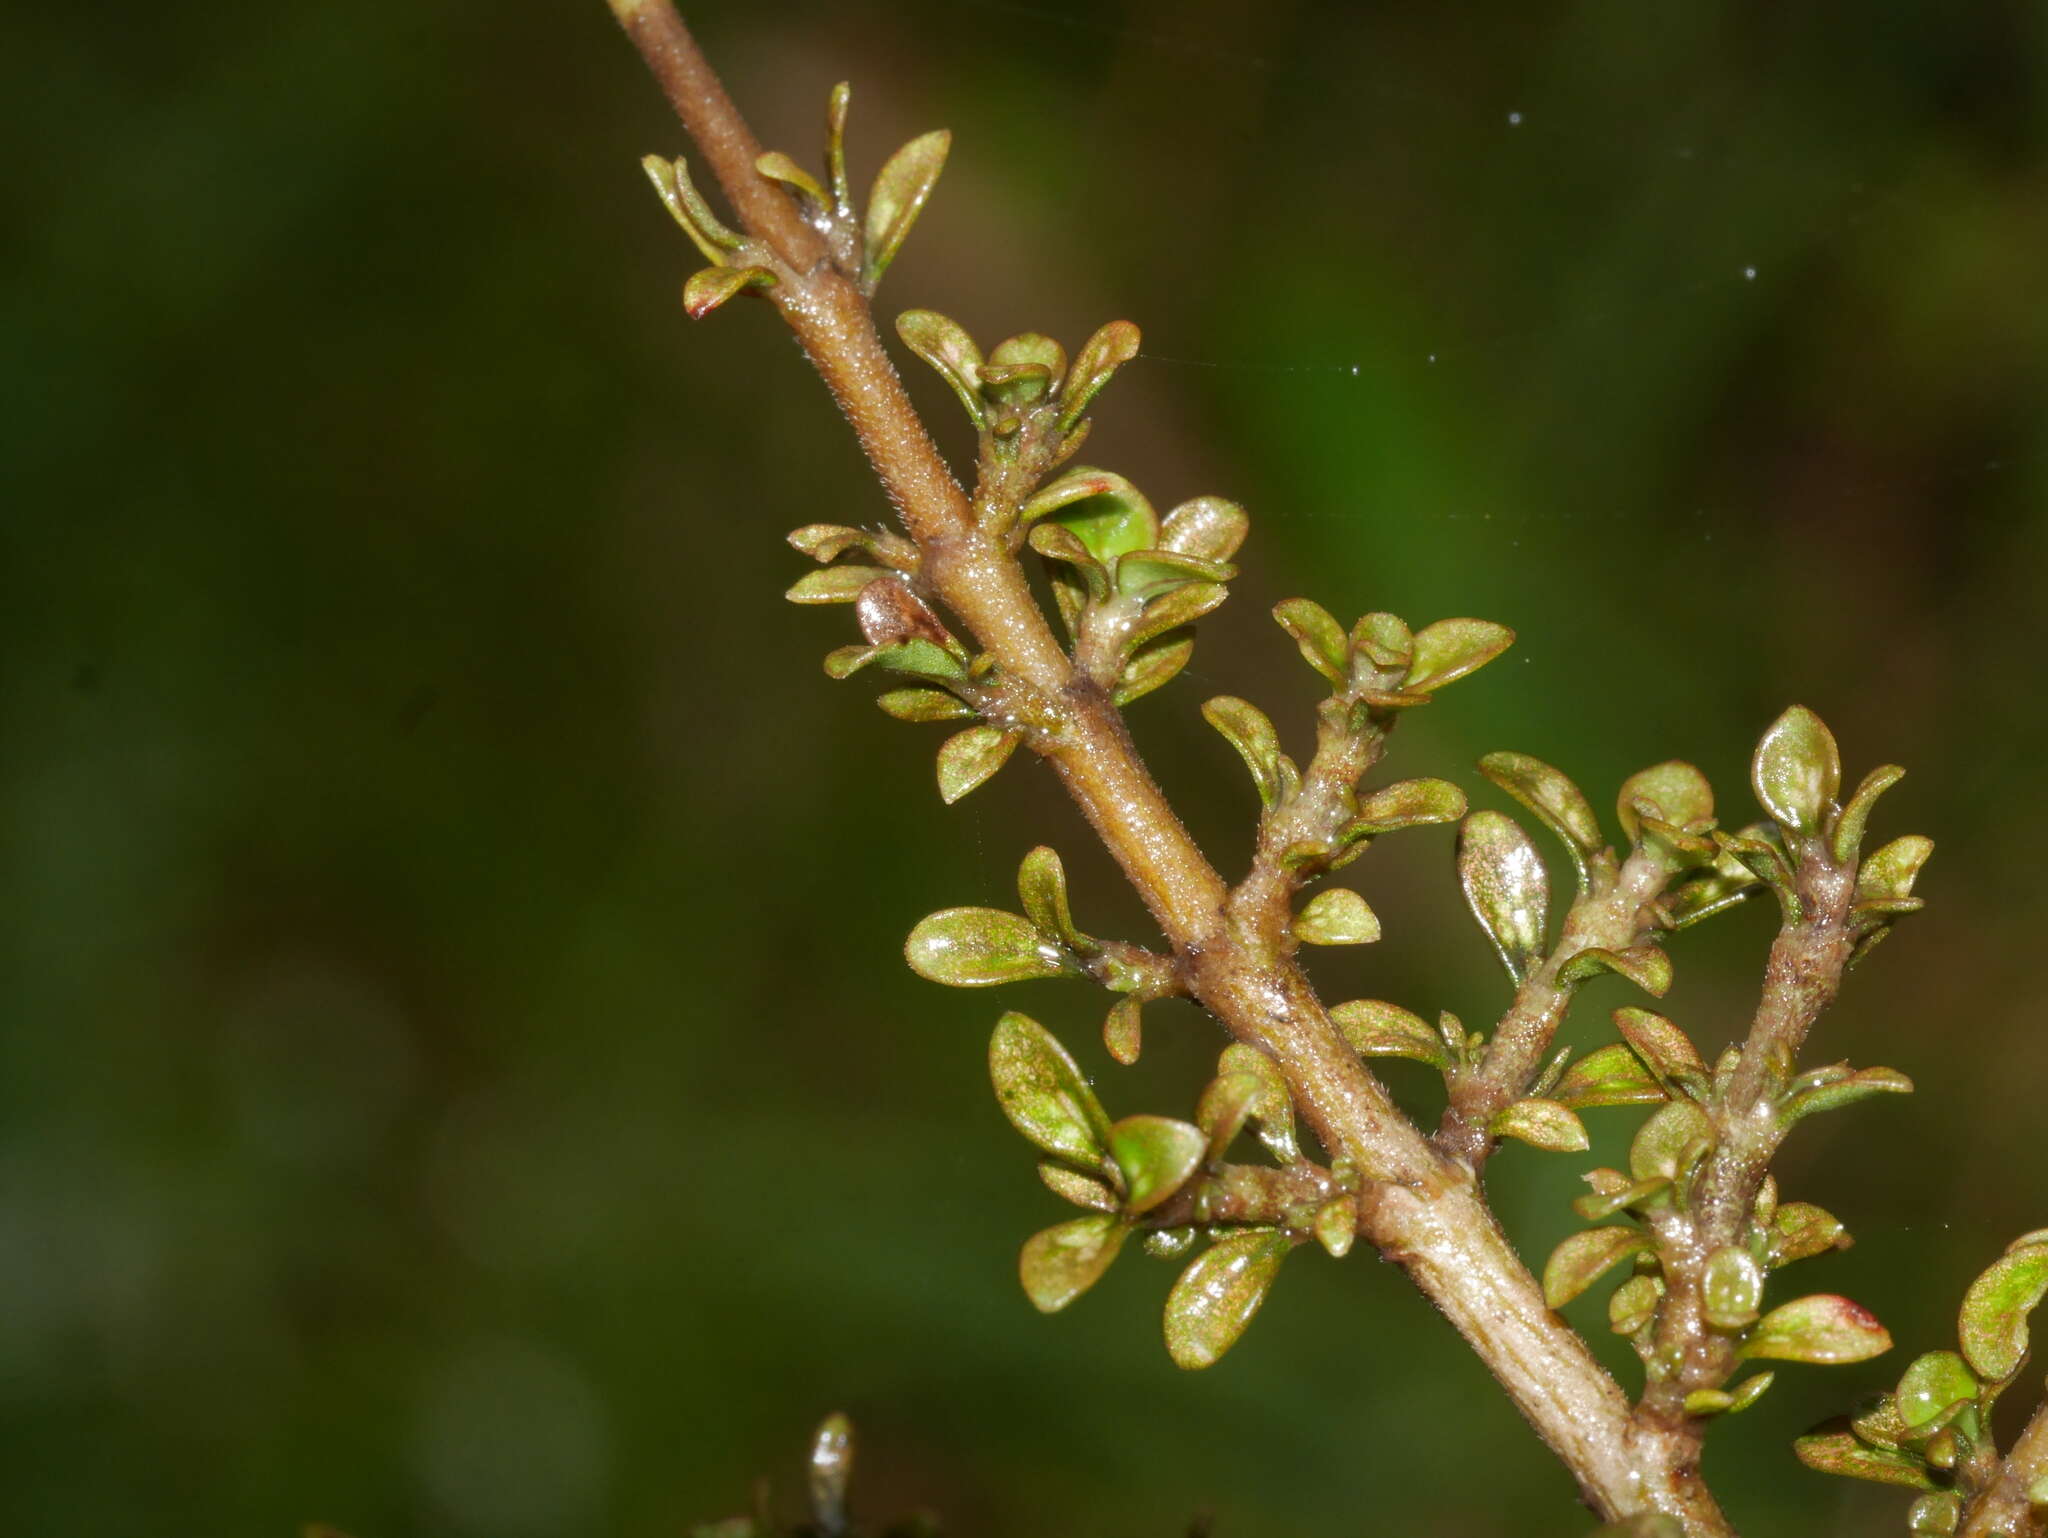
(1691, 1234)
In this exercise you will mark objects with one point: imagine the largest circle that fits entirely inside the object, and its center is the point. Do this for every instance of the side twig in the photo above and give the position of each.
(1419, 1208)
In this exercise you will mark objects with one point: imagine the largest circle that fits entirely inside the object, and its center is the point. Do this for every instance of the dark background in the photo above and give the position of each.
(457, 1077)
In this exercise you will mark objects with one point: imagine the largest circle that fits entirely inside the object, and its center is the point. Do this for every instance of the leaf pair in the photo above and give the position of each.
(982, 947)
(1382, 661)
(1022, 372)
(901, 190)
(1120, 1169)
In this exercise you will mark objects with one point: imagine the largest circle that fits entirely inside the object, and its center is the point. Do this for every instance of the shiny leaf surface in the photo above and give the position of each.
(1157, 1155)
(1824, 1328)
(1218, 1294)
(1993, 1321)
(1507, 888)
(1041, 1090)
(1797, 770)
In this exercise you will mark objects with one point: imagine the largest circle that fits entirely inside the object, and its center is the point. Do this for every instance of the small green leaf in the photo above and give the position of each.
(1705, 895)
(1665, 1049)
(1993, 1322)
(1273, 1110)
(1878, 1422)
(835, 147)
(924, 705)
(1248, 729)
(1406, 804)
(1645, 965)
(1848, 836)
(1616, 1194)
(1336, 1225)
(1935, 1515)
(967, 759)
(1703, 1402)
(687, 207)
(1073, 1186)
(1799, 1230)
(1797, 771)
(1022, 369)
(1156, 1155)
(1150, 573)
(1226, 1105)
(1811, 1092)
(1169, 1243)
(1749, 1391)
(710, 287)
(1041, 1090)
(1170, 611)
(778, 167)
(1109, 515)
(1824, 1328)
(898, 197)
(947, 347)
(1383, 640)
(1376, 1029)
(1123, 1031)
(1324, 646)
(1662, 1141)
(1891, 872)
(981, 947)
(1451, 648)
(1838, 1452)
(828, 541)
(830, 1467)
(1583, 1258)
(1153, 665)
(1064, 1261)
(1542, 1124)
(1678, 793)
(1507, 888)
(1731, 1288)
(1084, 485)
(833, 584)
(1042, 888)
(1108, 350)
(914, 659)
(1632, 1305)
(1551, 796)
(1336, 917)
(1219, 1293)
(1935, 1381)
(1205, 528)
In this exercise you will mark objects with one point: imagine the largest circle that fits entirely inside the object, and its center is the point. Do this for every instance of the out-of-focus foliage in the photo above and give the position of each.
(456, 1078)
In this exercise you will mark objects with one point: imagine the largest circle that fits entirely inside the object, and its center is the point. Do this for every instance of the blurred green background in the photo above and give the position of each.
(457, 1074)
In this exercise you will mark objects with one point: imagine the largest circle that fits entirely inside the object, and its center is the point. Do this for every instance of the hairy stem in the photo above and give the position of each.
(1420, 1209)
(1612, 916)
(2003, 1509)
(1800, 981)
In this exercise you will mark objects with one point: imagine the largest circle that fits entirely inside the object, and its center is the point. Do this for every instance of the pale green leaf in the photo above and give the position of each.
(1219, 1293)
(1062, 1262)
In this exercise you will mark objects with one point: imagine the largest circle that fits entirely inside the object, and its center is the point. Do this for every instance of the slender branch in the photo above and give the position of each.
(1801, 980)
(1419, 1209)
(1612, 915)
(2005, 1508)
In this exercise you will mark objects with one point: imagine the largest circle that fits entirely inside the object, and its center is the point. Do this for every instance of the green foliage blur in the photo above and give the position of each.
(458, 1074)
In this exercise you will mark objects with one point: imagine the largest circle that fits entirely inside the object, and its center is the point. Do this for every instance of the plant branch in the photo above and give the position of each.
(1418, 1209)
(1801, 980)
(2005, 1508)
(1612, 915)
